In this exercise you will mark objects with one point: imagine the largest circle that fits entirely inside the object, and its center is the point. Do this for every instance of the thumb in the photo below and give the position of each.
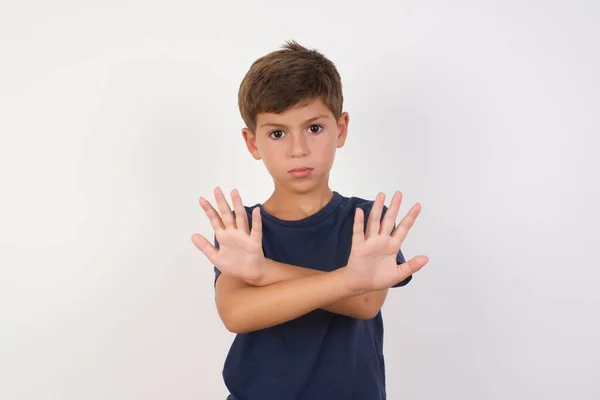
(413, 265)
(205, 247)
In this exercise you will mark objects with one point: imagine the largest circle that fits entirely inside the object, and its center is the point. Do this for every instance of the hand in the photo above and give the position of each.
(372, 263)
(240, 251)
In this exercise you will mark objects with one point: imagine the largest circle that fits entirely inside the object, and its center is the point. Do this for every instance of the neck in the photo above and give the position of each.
(286, 204)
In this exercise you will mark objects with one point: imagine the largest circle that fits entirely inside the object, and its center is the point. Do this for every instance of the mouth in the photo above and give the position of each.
(300, 172)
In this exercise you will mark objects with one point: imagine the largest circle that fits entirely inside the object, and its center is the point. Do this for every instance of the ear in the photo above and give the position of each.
(250, 139)
(342, 126)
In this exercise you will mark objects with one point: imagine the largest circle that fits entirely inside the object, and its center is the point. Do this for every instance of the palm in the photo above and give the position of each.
(372, 262)
(239, 251)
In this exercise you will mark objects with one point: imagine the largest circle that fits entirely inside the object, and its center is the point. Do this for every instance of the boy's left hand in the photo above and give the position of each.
(240, 252)
(372, 263)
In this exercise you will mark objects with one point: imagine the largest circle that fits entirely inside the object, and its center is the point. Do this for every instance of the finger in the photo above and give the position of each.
(224, 208)
(375, 215)
(389, 219)
(256, 232)
(213, 216)
(358, 233)
(205, 247)
(240, 211)
(407, 222)
(411, 266)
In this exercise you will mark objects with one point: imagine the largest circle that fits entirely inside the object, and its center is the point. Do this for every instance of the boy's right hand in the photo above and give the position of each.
(240, 252)
(372, 263)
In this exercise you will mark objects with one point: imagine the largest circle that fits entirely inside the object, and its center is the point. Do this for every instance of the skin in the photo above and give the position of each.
(254, 292)
(304, 136)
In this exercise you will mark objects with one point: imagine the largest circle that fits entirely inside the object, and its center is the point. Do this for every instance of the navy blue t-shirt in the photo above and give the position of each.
(321, 355)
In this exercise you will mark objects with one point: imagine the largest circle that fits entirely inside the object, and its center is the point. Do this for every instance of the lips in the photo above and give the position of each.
(300, 172)
(300, 169)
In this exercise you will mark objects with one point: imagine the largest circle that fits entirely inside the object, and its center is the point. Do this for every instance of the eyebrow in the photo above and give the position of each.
(308, 121)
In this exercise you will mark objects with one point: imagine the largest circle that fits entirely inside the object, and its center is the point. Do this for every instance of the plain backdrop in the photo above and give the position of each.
(116, 116)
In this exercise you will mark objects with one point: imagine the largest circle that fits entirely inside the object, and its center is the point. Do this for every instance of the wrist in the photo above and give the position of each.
(266, 268)
(352, 284)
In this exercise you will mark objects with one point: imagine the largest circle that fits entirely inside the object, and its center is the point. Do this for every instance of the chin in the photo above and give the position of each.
(303, 186)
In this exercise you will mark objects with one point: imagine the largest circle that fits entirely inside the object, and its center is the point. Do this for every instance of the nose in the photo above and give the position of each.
(298, 145)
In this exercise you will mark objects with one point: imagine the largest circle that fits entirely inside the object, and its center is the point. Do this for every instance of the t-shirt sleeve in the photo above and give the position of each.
(217, 271)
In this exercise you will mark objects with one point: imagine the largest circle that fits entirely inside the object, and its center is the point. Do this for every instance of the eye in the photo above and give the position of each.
(315, 128)
(276, 134)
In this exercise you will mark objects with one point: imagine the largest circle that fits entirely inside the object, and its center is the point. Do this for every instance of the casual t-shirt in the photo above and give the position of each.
(321, 355)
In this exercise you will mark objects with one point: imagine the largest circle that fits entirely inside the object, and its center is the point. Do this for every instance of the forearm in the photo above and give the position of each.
(250, 308)
(364, 306)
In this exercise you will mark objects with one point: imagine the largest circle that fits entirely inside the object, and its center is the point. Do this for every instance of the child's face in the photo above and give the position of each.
(298, 146)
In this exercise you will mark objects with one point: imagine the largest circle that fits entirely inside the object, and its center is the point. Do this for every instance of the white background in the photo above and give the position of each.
(115, 116)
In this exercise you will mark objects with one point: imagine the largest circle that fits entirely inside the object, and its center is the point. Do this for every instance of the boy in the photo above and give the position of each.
(302, 277)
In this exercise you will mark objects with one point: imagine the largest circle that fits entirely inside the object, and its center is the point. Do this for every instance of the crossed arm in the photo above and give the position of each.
(288, 292)
(253, 292)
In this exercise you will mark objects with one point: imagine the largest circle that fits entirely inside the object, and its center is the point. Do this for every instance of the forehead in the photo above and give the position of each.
(297, 115)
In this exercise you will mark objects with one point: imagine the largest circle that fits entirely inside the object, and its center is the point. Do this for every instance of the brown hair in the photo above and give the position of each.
(288, 77)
